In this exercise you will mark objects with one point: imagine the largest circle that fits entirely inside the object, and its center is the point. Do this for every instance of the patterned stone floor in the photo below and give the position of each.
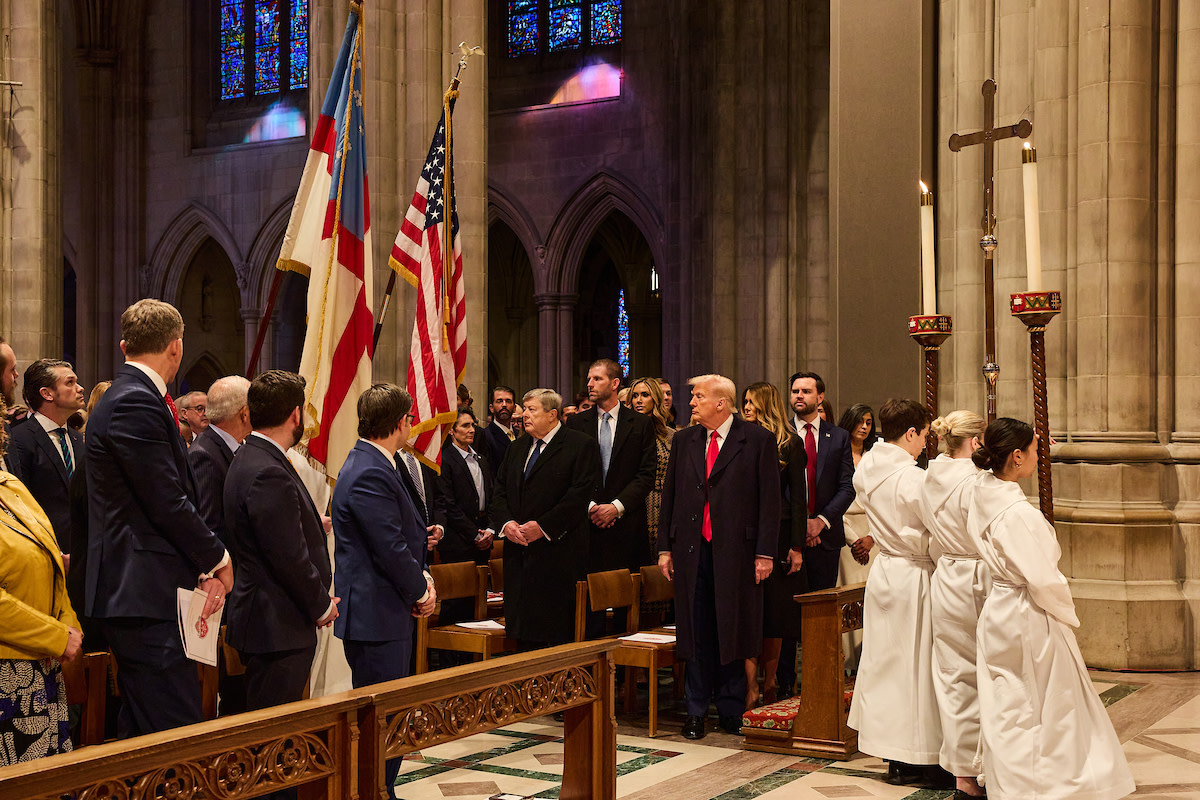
(1156, 716)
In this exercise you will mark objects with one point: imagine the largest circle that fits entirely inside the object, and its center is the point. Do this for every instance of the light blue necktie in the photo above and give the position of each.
(605, 444)
(533, 457)
(66, 451)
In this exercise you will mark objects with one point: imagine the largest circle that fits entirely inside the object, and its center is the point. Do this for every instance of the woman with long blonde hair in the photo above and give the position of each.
(762, 404)
(646, 397)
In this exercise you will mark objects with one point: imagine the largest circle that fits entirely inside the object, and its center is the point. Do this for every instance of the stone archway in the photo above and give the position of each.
(513, 328)
(207, 296)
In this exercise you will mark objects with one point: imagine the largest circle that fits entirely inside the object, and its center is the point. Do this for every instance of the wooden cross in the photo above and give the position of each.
(988, 138)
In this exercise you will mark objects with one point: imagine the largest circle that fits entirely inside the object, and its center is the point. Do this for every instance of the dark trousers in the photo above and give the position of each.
(273, 679)
(707, 679)
(160, 687)
(378, 662)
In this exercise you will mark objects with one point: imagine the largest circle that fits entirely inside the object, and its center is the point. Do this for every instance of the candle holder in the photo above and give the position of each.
(1036, 309)
(930, 331)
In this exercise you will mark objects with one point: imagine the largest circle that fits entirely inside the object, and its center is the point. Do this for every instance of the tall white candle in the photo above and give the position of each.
(1033, 228)
(928, 275)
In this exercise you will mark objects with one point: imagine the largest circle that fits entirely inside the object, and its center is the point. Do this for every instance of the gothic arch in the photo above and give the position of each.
(206, 367)
(582, 216)
(260, 263)
(503, 209)
(178, 245)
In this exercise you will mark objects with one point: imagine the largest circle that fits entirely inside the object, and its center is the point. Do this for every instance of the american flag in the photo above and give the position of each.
(329, 240)
(438, 352)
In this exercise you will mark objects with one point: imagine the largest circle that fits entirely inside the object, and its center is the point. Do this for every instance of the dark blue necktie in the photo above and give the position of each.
(533, 457)
(66, 451)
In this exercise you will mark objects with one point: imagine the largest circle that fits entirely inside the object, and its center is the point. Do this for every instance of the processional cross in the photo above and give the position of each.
(988, 138)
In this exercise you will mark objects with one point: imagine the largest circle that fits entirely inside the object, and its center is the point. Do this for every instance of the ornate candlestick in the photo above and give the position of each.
(929, 332)
(1036, 309)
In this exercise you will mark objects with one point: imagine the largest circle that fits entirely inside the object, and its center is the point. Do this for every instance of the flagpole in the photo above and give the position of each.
(262, 326)
(467, 52)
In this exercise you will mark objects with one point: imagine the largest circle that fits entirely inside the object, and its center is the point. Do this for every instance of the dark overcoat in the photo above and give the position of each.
(744, 506)
(539, 579)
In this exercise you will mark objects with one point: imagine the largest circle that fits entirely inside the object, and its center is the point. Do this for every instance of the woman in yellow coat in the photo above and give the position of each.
(38, 628)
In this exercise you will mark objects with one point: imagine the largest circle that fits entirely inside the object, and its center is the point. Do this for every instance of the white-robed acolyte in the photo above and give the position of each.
(894, 708)
(961, 583)
(1046, 734)
(851, 572)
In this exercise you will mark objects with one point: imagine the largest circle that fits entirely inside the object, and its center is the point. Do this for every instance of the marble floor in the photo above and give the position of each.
(1156, 716)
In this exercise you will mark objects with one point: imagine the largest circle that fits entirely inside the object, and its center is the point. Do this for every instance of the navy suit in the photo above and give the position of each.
(209, 458)
(718, 606)
(35, 457)
(834, 494)
(146, 540)
(283, 575)
(493, 445)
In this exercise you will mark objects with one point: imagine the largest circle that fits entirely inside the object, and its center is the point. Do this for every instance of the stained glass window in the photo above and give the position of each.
(233, 49)
(266, 46)
(522, 27)
(298, 25)
(622, 334)
(606, 22)
(565, 25)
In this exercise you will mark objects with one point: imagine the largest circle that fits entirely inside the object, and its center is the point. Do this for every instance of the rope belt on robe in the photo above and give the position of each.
(922, 560)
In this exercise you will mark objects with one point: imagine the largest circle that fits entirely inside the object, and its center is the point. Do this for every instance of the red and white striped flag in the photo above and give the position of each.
(329, 239)
(421, 255)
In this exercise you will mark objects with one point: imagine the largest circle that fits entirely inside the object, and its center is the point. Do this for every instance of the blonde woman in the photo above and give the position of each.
(762, 404)
(646, 397)
(960, 585)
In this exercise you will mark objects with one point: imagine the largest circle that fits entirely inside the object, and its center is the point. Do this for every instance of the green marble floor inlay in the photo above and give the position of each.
(760, 786)
(1119, 692)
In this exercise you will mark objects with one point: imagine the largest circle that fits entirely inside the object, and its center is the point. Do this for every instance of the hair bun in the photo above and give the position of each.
(940, 427)
(983, 458)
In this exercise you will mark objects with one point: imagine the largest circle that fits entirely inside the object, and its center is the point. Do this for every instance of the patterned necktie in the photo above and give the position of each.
(171, 405)
(810, 468)
(512, 437)
(710, 458)
(66, 451)
(414, 471)
(533, 457)
(605, 444)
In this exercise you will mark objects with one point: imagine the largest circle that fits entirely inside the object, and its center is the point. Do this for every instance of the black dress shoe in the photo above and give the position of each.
(731, 725)
(901, 774)
(693, 728)
(936, 778)
(959, 794)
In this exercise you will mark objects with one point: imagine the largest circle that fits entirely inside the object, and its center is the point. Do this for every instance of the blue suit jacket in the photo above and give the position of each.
(35, 458)
(835, 481)
(146, 538)
(379, 545)
(209, 457)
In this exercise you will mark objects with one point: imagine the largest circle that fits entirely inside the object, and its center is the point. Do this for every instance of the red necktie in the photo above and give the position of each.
(710, 458)
(810, 469)
(174, 410)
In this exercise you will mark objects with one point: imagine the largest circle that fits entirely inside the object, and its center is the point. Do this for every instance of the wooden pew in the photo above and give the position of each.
(336, 746)
(814, 724)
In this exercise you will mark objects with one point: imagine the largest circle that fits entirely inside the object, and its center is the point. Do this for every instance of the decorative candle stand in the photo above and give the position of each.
(1036, 309)
(930, 332)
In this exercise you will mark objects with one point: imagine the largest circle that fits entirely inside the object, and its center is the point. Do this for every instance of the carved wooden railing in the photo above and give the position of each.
(335, 747)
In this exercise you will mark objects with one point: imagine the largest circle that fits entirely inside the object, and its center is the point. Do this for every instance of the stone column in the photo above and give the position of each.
(31, 263)
(548, 360)
(251, 317)
(565, 341)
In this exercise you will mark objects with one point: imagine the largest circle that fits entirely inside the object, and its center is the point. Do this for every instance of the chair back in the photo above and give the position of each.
(496, 571)
(462, 579)
(616, 588)
(654, 586)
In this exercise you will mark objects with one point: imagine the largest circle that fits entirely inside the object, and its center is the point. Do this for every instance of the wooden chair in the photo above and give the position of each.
(620, 589)
(496, 584)
(87, 686)
(454, 581)
(656, 588)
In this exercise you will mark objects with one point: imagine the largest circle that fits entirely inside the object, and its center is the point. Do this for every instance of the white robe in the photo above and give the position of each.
(1046, 734)
(961, 583)
(894, 708)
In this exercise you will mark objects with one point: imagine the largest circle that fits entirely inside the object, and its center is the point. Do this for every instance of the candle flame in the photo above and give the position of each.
(924, 188)
(1028, 146)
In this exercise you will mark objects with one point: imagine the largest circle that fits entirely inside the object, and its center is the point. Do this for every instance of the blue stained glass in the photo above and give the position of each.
(606, 22)
(622, 334)
(266, 46)
(566, 23)
(298, 30)
(233, 49)
(522, 27)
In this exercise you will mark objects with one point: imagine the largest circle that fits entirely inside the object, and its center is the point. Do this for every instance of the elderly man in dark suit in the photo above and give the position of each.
(540, 508)
(281, 594)
(212, 451)
(718, 529)
(146, 538)
(44, 453)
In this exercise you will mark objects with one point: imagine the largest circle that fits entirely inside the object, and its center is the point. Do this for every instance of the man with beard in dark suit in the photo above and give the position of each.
(720, 519)
(628, 458)
(212, 451)
(44, 452)
(281, 594)
(500, 433)
(540, 508)
(146, 539)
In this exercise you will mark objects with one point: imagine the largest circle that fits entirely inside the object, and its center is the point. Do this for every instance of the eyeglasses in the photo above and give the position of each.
(411, 418)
